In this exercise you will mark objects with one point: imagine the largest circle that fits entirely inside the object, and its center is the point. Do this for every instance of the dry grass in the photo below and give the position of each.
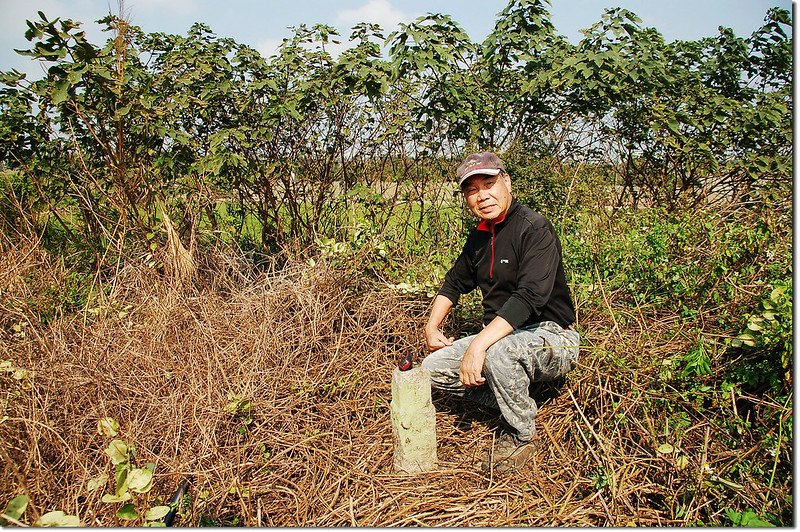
(313, 350)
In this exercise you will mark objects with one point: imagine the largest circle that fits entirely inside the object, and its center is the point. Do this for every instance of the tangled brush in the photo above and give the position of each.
(270, 392)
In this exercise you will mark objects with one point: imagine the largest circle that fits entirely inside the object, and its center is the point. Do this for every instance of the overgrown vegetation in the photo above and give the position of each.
(214, 259)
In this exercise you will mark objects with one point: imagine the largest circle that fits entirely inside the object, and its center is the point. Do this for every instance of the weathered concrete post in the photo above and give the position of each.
(413, 421)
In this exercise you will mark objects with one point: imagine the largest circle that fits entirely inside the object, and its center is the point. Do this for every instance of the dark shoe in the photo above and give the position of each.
(508, 454)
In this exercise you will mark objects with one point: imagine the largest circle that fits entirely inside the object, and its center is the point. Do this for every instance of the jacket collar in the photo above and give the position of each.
(485, 226)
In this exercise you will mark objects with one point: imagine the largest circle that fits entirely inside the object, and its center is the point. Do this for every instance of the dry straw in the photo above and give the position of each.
(271, 391)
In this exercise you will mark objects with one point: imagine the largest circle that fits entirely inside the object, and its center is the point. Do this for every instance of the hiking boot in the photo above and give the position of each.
(508, 454)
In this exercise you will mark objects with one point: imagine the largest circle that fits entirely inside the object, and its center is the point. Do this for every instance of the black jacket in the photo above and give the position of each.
(517, 265)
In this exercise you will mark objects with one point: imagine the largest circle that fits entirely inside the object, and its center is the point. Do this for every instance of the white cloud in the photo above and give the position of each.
(375, 11)
(336, 49)
(268, 46)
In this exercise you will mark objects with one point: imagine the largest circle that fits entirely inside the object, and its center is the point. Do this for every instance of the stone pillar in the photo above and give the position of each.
(413, 421)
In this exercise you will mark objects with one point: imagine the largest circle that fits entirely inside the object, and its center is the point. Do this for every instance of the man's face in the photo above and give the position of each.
(488, 196)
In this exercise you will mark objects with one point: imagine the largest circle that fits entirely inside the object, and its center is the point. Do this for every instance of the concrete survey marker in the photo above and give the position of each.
(413, 421)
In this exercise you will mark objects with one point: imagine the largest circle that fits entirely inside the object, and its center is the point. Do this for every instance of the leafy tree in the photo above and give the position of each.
(205, 131)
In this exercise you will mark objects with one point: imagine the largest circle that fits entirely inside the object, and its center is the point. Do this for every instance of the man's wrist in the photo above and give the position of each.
(478, 344)
(430, 328)
(497, 329)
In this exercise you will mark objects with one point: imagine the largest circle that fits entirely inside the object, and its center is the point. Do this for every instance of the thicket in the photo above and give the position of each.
(157, 190)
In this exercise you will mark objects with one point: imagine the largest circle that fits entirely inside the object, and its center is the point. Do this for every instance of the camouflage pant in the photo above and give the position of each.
(541, 352)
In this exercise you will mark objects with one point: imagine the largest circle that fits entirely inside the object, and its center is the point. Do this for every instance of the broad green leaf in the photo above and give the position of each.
(60, 92)
(121, 478)
(107, 426)
(747, 339)
(140, 480)
(156, 512)
(74, 76)
(117, 450)
(58, 518)
(755, 324)
(21, 374)
(108, 497)
(673, 125)
(96, 483)
(681, 461)
(777, 293)
(665, 448)
(16, 507)
(127, 512)
(751, 519)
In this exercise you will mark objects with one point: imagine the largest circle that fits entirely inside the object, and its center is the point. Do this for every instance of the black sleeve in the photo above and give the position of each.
(460, 279)
(536, 276)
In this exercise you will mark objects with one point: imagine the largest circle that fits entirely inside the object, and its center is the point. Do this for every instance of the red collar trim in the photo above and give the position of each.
(485, 226)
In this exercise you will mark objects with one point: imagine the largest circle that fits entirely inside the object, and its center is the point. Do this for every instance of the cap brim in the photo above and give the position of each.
(478, 171)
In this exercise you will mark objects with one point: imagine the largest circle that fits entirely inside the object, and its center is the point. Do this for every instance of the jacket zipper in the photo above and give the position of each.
(491, 264)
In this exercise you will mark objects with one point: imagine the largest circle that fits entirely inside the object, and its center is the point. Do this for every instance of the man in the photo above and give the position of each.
(514, 257)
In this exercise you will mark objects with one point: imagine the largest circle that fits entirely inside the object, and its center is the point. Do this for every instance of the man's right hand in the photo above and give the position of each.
(434, 339)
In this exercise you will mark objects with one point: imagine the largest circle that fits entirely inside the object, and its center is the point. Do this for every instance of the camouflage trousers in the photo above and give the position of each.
(541, 352)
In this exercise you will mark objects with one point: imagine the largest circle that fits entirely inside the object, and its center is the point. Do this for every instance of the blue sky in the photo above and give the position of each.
(263, 23)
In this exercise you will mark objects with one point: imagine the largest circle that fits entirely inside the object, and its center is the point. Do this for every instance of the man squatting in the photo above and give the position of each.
(514, 257)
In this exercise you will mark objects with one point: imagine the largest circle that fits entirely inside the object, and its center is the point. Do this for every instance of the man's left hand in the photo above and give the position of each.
(472, 363)
(472, 366)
